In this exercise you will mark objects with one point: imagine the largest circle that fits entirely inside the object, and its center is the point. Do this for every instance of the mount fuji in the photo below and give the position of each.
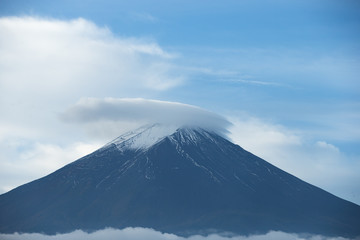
(184, 181)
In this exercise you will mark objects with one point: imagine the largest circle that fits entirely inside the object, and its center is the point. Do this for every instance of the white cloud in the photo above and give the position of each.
(57, 54)
(91, 112)
(327, 146)
(150, 234)
(48, 64)
(317, 162)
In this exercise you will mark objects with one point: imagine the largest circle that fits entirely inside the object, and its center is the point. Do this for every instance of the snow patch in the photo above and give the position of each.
(143, 137)
(191, 135)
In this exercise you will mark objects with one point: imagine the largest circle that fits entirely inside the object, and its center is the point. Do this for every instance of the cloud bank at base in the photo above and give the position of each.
(150, 234)
(120, 111)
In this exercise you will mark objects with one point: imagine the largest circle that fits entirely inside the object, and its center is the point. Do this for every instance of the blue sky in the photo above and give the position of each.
(285, 72)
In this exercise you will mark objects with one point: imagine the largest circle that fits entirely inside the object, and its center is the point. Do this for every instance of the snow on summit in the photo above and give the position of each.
(148, 135)
(143, 137)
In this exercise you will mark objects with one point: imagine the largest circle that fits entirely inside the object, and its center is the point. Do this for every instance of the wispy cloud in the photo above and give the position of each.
(291, 67)
(230, 76)
(144, 17)
(256, 82)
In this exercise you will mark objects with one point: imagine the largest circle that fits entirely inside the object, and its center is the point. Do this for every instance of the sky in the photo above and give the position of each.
(281, 76)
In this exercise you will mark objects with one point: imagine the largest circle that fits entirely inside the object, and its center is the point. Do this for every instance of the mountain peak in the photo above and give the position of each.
(191, 135)
(186, 180)
(143, 137)
(148, 135)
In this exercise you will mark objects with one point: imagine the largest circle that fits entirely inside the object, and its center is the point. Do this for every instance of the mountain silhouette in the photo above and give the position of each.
(183, 181)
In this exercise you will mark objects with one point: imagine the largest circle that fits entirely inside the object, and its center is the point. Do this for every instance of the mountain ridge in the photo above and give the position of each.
(192, 181)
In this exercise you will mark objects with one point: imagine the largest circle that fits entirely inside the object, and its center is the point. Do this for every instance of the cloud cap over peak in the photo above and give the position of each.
(143, 111)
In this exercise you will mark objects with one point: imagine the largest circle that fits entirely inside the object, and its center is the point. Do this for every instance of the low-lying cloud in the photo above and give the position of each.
(119, 112)
(150, 234)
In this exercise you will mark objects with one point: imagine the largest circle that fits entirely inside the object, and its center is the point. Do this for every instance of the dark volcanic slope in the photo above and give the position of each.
(190, 182)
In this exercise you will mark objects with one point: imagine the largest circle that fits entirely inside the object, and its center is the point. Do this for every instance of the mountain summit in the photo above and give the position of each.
(183, 181)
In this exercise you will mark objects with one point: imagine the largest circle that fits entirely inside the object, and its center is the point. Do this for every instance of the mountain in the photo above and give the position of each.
(184, 181)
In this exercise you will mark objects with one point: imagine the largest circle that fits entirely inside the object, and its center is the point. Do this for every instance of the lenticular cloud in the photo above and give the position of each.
(143, 111)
